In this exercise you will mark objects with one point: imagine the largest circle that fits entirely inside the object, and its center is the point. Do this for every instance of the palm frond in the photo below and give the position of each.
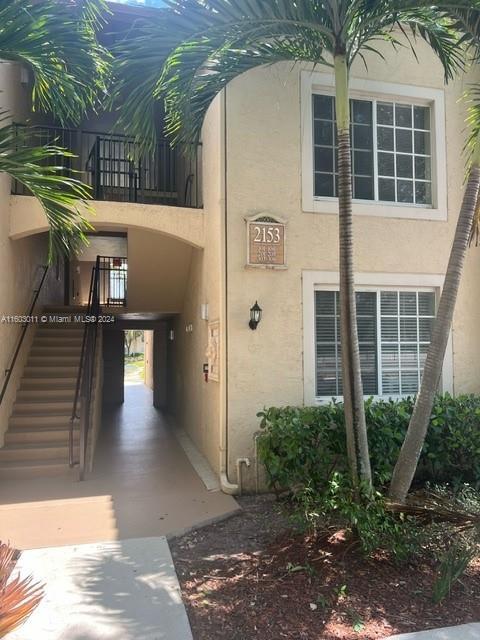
(191, 37)
(63, 197)
(188, 92)
(439, 507)
(447, 27)
(57, 41)
(18, 596)
(193, 49)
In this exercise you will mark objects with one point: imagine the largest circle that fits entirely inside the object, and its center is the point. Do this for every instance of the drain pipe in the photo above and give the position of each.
(240, 461)
(226, 486)
(255, 457)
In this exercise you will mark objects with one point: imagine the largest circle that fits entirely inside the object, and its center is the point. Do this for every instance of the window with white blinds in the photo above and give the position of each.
(394, 332)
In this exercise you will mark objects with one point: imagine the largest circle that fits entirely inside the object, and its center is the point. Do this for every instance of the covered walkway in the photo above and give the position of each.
(142, 485)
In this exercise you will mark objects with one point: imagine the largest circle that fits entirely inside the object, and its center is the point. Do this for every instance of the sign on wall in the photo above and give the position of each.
(213, 350)
(266, 242)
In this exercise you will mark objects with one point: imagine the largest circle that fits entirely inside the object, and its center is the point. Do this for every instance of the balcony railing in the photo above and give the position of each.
(117, 168)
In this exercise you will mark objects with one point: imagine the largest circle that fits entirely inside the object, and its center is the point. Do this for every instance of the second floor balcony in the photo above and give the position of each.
(118, 169)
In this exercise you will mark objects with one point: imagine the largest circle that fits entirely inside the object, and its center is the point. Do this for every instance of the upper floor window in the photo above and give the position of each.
(391, 150)
(398, 139)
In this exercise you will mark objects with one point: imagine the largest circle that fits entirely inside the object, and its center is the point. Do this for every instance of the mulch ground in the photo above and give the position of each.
(252, 576)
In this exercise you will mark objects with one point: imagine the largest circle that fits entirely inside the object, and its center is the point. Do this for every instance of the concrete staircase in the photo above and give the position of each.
(37, 439)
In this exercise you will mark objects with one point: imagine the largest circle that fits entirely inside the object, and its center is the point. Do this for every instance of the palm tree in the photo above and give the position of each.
(193, 49)
(57, 43)
(407, 461)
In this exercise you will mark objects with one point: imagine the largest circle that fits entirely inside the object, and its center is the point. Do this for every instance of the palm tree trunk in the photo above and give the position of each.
(355, 425)
(417, 429)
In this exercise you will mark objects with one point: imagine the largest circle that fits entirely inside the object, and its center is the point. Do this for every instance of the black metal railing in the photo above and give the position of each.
(118, 169)
(82, 403)
(113, 276)
(108, 288)
(28, 320)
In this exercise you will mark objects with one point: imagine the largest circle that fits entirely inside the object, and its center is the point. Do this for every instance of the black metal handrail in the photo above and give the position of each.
(113, 280)
(86, 373)
(29, 313)
(119, 169)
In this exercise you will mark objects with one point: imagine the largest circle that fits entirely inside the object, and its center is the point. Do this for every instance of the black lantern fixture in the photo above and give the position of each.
(255, 316)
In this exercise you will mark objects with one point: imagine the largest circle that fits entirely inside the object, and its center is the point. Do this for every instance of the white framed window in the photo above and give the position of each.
(394, 319)
(398, 149)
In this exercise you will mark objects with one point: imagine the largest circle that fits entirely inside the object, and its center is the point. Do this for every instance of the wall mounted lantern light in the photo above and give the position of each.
(255, 316)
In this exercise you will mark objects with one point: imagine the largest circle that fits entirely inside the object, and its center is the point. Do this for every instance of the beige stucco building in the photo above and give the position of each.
(267, 156)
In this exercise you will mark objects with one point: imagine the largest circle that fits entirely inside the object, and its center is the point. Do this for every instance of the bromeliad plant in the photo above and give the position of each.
(57, 43)
(18, 597)
(186, 55)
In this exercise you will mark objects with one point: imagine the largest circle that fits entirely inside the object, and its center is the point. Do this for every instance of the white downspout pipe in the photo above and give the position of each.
(226, 486)
(240, 461)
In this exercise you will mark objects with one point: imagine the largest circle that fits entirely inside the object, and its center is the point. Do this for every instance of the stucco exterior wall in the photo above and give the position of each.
(158, 268)
(27, 217)
(20, 261)
(148, 335)
(264, 174)
(199, 403)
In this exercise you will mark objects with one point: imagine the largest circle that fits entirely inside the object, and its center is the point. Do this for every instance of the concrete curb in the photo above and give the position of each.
(461, 632)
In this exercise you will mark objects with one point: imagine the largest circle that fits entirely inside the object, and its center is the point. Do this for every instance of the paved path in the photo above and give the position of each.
(123, 590)
(142, 485)
(462, 632)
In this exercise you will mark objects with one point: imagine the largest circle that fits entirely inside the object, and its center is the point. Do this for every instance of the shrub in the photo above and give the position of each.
(304, 450)
(304, 446)
(366, 515)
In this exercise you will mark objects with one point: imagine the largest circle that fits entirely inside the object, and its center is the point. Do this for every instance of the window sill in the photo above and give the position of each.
(329, 206)
(323, 400)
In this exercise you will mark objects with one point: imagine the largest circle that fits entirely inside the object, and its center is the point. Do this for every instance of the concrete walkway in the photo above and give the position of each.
(142, 485)
(111, 591)
(462, 632)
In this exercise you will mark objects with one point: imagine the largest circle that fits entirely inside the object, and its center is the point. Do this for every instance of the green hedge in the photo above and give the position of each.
(302, 446)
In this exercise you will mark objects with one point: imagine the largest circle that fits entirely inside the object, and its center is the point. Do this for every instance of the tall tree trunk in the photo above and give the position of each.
(417, 429)
(355, 425)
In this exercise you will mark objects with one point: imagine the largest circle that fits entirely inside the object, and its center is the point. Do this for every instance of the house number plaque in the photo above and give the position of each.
(266, 242)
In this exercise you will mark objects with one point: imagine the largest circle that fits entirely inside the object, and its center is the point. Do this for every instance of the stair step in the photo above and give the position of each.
(40, 435)
(37, 439)
(66, 327)
(58, 349)
(46, 451)
(40, 420)
(51, 372)
(34, 382)
(11, 470)
(68, 308)
(49, 407)
(53, 361)
(47, 340)
(60, 332)
(45, 395)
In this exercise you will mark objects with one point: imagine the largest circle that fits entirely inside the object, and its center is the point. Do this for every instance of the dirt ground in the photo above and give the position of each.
(253, 577)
